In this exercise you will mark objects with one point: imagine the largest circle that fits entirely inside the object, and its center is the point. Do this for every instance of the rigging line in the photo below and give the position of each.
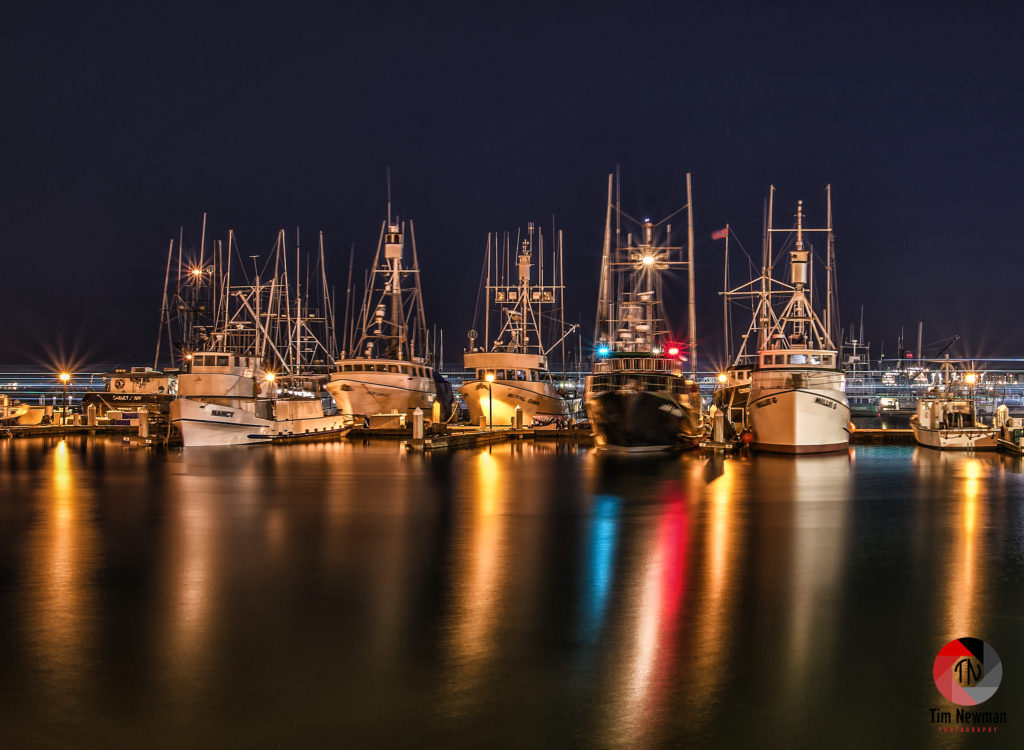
(623, 213)
(677, 211)
(733, 237)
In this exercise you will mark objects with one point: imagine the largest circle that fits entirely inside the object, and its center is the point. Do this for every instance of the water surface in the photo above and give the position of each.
(523, 595)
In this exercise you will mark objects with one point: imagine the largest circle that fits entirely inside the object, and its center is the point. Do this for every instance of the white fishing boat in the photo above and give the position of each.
(638, 397)
(512, 371)
(229, 399)
(797, 399)
(257, 381)
(390, 369)
(14, 412)
(946, 418)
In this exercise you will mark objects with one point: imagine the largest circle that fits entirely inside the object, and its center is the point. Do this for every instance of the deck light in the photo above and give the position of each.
(722, 377)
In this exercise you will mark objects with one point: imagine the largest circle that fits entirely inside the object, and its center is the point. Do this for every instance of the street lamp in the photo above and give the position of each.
(489, 377)
(64, 378)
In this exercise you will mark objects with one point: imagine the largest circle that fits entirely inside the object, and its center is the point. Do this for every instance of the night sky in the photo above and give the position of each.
(123, 123)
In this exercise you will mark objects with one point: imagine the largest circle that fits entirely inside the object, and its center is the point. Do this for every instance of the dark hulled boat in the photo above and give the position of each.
(638, 398)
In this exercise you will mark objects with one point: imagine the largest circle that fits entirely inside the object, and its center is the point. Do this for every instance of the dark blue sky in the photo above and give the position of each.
(122, 123)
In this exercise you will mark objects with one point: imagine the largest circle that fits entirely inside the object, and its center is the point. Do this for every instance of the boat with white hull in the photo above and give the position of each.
(798, 411)
(260, 378)
(947, 418)
(204, 423)
(512, 371)
(364, 386)
(17, 412)
(390, 368)
(637, 398)
(797, 400)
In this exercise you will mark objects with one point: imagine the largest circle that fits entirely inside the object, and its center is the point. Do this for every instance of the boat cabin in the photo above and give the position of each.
(384, 365)
(797, 358)
(206, 361)
(667, 365)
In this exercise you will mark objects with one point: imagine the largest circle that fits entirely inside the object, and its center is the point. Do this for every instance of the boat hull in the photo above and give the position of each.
(956, 439)
(636, 421)
(204, 424)
(796, 420)
(381, 393)
(498, 401)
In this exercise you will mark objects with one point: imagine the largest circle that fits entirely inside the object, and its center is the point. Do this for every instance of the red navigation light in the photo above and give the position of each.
(910, 355)
(673, 351)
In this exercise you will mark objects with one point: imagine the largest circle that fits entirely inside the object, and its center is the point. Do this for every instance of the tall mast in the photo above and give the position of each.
(604, 293)
(298, 303)
(689, 265)
(766, 274)
(828, 264)
(561, 298)
(164, 311)
(487, 310)
(725, 299)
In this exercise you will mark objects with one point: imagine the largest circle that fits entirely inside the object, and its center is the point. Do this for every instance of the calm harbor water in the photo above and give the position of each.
(524, 595)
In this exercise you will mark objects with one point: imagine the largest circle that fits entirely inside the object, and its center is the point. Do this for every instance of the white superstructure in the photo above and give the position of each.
(946, 417)
(259, 376)
(389, 369)
(512, 370)
(797, 400)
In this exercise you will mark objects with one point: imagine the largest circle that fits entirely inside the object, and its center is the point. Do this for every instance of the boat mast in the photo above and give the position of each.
(561, 297)
(604, 294)
(689, 264)
(829, 244)
(487, 311)
(725, 298)
(164, 312)
(766, 274)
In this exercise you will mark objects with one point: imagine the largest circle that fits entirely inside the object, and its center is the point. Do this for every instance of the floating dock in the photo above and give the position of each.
(47, 430)
(866, 436)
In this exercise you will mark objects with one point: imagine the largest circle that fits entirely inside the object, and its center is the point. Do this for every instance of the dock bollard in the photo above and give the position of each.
(90, 415)
(143, 422)
(519, 418)
(718, 427)
(417, 423)
(435, 412)
(483, 421)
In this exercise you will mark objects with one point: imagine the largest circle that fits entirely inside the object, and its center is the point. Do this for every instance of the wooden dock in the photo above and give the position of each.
(903, 436)
(62, 430)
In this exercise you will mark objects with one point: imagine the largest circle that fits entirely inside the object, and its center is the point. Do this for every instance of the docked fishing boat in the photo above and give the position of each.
(511, 371)
(14, 412)
(797, 399)
(133, 388)
(230, 399)
(390, 369)
(946, 418)
(257, 381)
(638, 398)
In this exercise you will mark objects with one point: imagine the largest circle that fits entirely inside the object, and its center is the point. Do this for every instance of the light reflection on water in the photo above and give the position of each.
(526, 594)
